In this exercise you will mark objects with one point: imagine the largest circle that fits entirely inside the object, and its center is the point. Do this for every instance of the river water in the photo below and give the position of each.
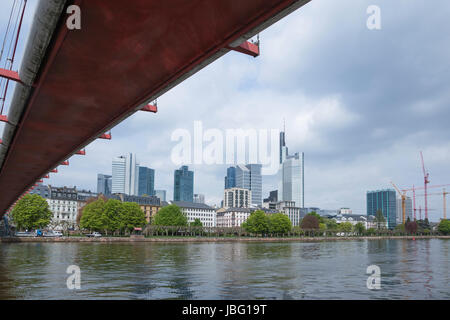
(234, 270)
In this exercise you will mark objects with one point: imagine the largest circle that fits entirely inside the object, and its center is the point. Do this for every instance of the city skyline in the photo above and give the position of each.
(340, 123)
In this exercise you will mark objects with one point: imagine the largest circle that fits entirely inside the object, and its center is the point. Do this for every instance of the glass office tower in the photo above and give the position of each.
(104, 184)
(230, 179)
(249, 177)
(146, 181)
(183, 188)
(125, 175)
(384, 200)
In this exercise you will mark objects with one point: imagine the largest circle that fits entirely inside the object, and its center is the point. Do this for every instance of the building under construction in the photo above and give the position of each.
(386, 201)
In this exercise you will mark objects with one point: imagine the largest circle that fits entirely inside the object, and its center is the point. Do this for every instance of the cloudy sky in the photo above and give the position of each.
(360, 103)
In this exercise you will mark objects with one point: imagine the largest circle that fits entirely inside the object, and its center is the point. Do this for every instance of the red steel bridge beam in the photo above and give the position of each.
(247, 48)
(10, 75)
(81, 83)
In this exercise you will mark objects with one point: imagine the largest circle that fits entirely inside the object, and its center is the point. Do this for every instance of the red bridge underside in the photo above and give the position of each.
(125, 53)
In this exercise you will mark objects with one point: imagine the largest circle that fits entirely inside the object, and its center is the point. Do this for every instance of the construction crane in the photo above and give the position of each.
(426, 179)
(413, 189)
(444, 194)
(403, 196)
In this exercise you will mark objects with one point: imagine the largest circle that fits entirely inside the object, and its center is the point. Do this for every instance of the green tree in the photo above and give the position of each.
(170, 215)
(131, 216)
(360, 228)
(31, 212)
(319, 217)
(331, 224)
(379, 218)
(92, 216)
(310, 222)
(257, 223)
(400, 228)
(346, 227)
(196, 223)
(112, 215)
(279, 223)
(90, 200)
(444, 227)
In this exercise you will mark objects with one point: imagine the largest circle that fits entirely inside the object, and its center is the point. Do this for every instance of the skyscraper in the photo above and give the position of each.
(104, 184)
(249, 177)
(385, 201)
(199, 198)
(230, 179)
(183, 187)
(291, 180)
(146, 181)
(408, 210)
(283, 148)
(291, 175)
(125, 175)
(161, 194)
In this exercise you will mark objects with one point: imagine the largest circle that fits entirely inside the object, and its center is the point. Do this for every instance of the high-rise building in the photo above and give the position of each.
(161, 194)
(291, 175)
(230, 179)
(271, 201)
(283, 147)
(183, 187)
(125, 175)
(199, 198)
(386, 201)
(249, 177)
(146, 185)
(104, 184)
(273, 196)
(408, 210)
(291, 180)
(237, 198)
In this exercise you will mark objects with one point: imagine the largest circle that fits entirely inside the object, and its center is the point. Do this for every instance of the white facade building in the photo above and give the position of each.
(64, 206)
(64, 211)
(232, 217)
(289, 209)
(367, 221)
(192, 211)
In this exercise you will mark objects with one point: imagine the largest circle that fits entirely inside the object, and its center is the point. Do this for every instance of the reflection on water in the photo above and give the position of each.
(236, 270)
